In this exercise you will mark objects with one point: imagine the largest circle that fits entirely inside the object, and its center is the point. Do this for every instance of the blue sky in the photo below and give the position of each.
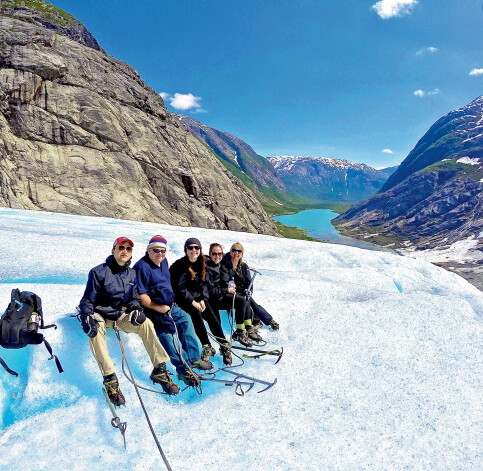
(354, 79)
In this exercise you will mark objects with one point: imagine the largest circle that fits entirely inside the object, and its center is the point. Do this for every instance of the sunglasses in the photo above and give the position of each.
(159, 250)
(217, 254)
(236, 251)
(127, 249)
(193, 247)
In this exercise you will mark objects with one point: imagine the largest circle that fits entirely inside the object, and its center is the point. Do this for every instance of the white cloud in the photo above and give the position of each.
(476, 72)
(181, 101)
(422, 93)
(427, 50)
(387, 151)
(186, 101)
(389, 8)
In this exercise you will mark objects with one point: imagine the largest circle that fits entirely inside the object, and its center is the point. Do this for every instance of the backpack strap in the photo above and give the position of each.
(52, 356)
(7, 369)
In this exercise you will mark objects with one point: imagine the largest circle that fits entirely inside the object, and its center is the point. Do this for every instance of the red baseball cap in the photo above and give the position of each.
(120, 240)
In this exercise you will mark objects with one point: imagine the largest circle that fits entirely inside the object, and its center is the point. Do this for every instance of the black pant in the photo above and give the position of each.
(259, 313)
(242, 306)
(210, 317)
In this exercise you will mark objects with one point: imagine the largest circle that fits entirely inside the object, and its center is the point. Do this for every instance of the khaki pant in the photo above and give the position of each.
(145, 331)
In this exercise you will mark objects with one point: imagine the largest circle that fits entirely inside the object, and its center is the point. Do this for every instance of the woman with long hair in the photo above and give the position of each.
(189, 280)
(223, 295)
(240, 273)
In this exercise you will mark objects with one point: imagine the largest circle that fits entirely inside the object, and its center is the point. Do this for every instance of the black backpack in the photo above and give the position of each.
(20, 323)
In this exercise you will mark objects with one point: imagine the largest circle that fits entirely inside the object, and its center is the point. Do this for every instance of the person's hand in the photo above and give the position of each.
(89, 325)
(197, 305)
(231, 290)
(137, 317)
(203, 306)
(163, 309)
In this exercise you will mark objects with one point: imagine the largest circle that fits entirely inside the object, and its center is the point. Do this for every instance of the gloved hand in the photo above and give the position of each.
(137, 317)
(89, 325)
(248, 294)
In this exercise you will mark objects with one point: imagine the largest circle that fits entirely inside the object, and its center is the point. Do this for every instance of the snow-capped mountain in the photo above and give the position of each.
(328, 179)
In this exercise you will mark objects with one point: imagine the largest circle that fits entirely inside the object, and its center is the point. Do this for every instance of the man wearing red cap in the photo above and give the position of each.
(111, 300)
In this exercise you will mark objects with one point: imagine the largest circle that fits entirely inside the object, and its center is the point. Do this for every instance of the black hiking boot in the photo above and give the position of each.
(241, 336)
(252, 333)
(113, 391)
(274, 325)
(190, 378)
(161, 375)
(225, 350)
(202, 365)
(207, 352)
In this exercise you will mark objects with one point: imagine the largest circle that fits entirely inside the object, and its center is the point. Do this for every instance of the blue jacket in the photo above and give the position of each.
(154, 281)
(109, 289)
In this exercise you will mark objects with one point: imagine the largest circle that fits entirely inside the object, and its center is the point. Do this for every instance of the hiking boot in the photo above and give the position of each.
(162, 376)
(113, 391)
(202, 365)
(207, 352)
(190, 378)
(252, 333)
(225, 350)
(257, 326)
(274, 325)
(241, 336)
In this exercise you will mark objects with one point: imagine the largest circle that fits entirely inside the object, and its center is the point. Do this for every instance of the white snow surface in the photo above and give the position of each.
(461, 251)
(381, 370)
(468, 160)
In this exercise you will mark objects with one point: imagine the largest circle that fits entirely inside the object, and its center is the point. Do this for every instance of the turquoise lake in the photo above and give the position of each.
(317, 224)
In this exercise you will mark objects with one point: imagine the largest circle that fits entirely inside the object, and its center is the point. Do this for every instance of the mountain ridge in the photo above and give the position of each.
(82, 133)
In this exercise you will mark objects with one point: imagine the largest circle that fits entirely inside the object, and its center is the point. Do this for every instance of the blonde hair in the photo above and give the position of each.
(240, 246)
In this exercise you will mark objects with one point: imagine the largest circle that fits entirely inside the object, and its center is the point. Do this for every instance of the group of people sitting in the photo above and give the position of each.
(160, 303)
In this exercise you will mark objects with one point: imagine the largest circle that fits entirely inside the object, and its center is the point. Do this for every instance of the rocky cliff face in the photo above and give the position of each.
(327, 179)
(80, 132)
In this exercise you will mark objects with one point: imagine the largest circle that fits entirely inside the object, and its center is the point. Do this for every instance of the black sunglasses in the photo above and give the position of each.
(217, 254)
(127, 249)
(236, 251)
(193, 247)
(159, 250)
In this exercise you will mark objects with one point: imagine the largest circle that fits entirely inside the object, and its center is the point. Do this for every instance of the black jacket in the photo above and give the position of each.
(187, 289)
(218, 279)
(240, 275)
(109, 289)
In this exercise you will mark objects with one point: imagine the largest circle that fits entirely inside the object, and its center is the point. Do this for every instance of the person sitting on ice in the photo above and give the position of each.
(240, 273)
(223, 296)
(157, 296)
(111, 300)
(190, 286)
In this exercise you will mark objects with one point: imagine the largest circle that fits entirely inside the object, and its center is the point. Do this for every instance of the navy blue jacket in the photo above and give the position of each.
(109, 289)
(154, 281)
(240, 275)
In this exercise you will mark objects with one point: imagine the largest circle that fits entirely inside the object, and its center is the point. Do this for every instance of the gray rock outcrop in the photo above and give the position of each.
(80, 132)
